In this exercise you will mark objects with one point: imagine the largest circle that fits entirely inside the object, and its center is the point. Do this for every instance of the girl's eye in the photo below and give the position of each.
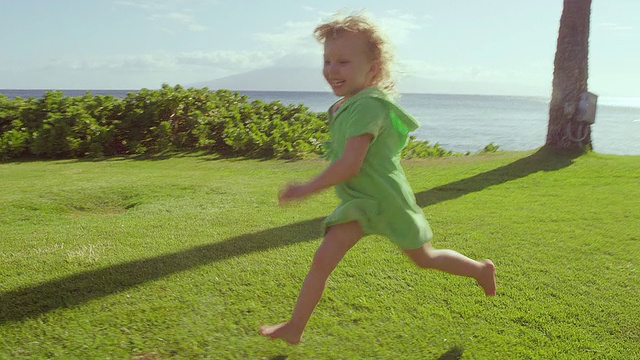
(338, 62)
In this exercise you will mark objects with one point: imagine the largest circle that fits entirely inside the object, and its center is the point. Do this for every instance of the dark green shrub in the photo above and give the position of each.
(423, 149)
(274, 130)
(13, 143)
(490, 148)
(171, 118)
(14, 135)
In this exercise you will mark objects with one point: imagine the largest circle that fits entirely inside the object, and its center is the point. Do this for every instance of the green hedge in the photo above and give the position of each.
(169, 119)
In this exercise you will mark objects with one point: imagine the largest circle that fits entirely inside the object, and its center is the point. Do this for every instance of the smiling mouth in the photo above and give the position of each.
(336, 83)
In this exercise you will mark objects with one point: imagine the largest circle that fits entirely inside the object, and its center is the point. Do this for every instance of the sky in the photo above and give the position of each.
(491, 46)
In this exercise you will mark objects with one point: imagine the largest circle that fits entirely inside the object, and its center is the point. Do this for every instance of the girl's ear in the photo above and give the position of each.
(374, 69)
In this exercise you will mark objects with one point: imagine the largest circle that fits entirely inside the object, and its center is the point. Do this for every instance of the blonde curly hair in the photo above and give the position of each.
(377, 44)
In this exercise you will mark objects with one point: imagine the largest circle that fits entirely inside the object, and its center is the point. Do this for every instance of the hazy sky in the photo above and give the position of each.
(130, 44)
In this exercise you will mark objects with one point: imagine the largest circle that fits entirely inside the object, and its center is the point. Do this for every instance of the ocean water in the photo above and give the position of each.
(469, 122)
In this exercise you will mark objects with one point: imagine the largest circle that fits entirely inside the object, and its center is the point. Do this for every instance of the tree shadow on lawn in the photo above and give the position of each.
(542, 160)
(454, 353)
(74, 290)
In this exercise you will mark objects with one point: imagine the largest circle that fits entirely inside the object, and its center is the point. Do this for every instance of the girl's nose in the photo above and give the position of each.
(331, 68)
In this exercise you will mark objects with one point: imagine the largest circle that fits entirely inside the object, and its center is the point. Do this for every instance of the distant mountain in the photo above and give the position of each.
(307, 79)
(271, 79)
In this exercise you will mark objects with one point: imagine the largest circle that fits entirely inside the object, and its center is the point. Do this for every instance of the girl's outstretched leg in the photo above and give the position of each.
(455, 263)
(337, 241)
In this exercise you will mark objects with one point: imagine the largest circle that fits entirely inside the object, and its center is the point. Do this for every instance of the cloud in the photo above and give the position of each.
(227, 61)
(137, 63)
(297, 47)
(471, 73)
(399, 26)
(145, 5)
(296, 36)
(180, 18)
(157, 5)
(302, 59)
(616, 27)
(168, 12)
(417, 68)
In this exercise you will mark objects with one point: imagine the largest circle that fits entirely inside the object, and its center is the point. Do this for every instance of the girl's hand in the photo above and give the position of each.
(293, 191)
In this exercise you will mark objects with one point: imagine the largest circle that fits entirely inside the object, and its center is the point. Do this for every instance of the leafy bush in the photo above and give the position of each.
(274, 130)
(13, 134)
(167, 119)
(13, 143)
(490, 148)
(422, 149)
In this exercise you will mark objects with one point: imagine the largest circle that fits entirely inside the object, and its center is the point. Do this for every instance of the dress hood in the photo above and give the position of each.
(402, 122)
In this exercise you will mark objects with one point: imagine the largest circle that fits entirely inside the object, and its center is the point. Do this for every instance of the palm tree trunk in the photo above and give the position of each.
(570, 79)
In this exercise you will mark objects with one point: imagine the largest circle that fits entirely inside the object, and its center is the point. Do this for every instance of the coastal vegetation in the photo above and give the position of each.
(170, 119)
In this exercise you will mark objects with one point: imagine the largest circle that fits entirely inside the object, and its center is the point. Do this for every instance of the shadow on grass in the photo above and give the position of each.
(165, 155)
(542, 160)
(74, 290)
(453, 354)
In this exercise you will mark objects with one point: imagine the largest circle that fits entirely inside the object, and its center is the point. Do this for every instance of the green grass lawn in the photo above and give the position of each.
(185, 257)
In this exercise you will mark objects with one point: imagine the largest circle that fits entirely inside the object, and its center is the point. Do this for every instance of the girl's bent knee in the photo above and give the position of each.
(323, 262)
(422, 264)
(421, 257)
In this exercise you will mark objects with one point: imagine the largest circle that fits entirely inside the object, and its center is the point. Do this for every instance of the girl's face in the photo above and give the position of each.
(347, 65)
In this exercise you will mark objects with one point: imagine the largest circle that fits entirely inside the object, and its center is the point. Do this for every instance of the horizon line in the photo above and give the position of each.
(287, 91)
(608, 97)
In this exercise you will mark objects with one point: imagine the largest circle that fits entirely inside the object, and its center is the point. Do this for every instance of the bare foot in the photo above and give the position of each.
(284, 331)
(487, 278)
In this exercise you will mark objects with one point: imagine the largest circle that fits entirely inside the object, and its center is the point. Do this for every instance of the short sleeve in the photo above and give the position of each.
(367, 116)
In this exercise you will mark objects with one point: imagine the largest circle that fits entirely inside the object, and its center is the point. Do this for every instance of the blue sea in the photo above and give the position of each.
(469, 122)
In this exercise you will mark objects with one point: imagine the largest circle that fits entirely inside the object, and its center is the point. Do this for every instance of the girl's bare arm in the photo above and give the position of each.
(343, 169)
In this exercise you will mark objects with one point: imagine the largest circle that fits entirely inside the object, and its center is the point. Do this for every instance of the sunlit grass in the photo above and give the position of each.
(185, 257)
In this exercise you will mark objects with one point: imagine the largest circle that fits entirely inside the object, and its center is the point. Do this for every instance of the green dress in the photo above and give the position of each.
(379, 197)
